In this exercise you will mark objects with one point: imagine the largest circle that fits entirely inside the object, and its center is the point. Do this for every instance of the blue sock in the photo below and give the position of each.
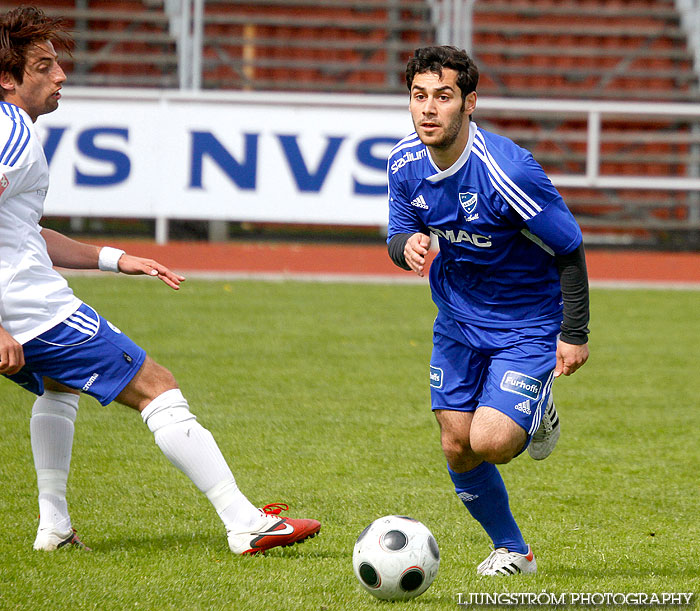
(484, 494)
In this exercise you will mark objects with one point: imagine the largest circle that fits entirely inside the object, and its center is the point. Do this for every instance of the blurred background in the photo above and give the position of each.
(603, 92)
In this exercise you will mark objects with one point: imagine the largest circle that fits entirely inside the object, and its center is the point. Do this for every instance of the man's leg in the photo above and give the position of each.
(192, 449)
(477, 481)
(472, 443)
(51, 427)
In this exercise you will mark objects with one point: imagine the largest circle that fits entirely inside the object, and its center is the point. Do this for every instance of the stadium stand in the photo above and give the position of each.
(620, 49)
(343, 46)
(119, 43)
(602, 49)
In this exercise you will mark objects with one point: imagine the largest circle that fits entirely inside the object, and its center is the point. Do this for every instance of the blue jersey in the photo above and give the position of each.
(499, 222)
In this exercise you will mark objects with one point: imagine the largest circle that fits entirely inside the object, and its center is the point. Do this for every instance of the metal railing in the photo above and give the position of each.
(630, 171)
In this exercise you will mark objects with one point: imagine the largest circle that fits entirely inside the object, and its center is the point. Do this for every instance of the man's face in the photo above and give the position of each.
(39, 92)
(437, 111)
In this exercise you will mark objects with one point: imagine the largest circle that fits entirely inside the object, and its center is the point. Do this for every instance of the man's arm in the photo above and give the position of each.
(68, 253)
(408, 251)
(572, 349)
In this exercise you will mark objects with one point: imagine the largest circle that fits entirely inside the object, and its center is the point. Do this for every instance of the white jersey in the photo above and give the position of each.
(33, 296)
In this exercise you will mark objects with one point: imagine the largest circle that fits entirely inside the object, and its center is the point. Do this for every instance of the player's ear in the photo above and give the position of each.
(7, 83)
(470, 103)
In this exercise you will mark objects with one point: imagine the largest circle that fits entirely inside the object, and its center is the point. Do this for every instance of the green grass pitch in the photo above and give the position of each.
(318, 397)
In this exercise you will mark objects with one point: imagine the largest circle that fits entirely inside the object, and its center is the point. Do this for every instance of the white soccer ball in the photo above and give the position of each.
(396, 558)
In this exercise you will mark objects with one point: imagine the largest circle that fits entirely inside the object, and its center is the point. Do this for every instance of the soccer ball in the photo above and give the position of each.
(396, 558)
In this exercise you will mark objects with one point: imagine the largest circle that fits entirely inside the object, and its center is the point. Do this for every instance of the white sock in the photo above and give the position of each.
(193, 450)
(52, 427)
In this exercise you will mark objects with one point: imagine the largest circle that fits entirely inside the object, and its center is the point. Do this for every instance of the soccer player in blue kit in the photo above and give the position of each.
(509, 281)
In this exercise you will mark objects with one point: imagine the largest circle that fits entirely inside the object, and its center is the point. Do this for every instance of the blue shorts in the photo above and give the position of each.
(85, 352)
(510, 370)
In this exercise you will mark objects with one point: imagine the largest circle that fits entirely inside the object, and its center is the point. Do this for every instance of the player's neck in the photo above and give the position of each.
(17, 101)
(443, 158)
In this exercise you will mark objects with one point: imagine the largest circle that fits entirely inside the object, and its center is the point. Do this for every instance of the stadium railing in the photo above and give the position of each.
(628, 170)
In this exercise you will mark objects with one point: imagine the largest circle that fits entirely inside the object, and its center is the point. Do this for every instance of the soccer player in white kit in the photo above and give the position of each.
(56, 346)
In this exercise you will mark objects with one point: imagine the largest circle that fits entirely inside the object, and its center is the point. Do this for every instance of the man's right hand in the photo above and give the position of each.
(415, 251)
(11, 354)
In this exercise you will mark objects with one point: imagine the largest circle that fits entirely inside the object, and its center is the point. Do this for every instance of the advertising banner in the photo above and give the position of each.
(259, 157)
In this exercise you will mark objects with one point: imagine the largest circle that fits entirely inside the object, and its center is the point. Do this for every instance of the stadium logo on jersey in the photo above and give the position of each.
(468, 202)
(480, 241)
(520, 384)
(419, 202)
(4, 183)
(435, 377)
(524, 407)
(407, 157)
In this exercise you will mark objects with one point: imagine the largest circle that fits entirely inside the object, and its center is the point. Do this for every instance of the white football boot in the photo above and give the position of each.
(502, 562)
(546, 436)
(48, 540)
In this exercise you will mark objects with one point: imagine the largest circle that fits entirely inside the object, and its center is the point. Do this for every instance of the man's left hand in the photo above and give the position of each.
(128, 264)
(569, 358)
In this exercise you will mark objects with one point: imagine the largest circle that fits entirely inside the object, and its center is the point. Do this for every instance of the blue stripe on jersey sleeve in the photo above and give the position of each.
(501, 174)
(410, 140)
(18, 138)
(22, 142)
(6, 111)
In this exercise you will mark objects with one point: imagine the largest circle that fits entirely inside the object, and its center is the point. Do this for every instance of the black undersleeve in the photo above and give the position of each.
(574, 290)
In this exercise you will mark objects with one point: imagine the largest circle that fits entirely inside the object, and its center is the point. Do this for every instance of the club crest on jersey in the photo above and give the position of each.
(468, 202)
(520, 384)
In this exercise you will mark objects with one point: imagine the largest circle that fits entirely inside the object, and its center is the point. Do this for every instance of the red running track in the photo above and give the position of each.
(294, 259)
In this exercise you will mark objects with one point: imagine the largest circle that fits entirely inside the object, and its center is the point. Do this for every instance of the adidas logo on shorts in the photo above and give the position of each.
(524, 407)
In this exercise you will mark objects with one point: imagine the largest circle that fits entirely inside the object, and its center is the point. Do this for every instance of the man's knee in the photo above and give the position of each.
(151, 381)
(160, 376)
(494, 437)
(495, 451)
(454, 438)
(455, 448)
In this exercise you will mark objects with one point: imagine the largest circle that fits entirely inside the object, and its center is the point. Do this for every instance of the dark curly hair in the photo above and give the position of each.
(435, 59)
(20, 29)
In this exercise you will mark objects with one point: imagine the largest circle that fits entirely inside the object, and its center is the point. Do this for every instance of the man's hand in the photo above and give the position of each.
(128, 264)
(569, 358)
(11, 354)
(415, 252)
